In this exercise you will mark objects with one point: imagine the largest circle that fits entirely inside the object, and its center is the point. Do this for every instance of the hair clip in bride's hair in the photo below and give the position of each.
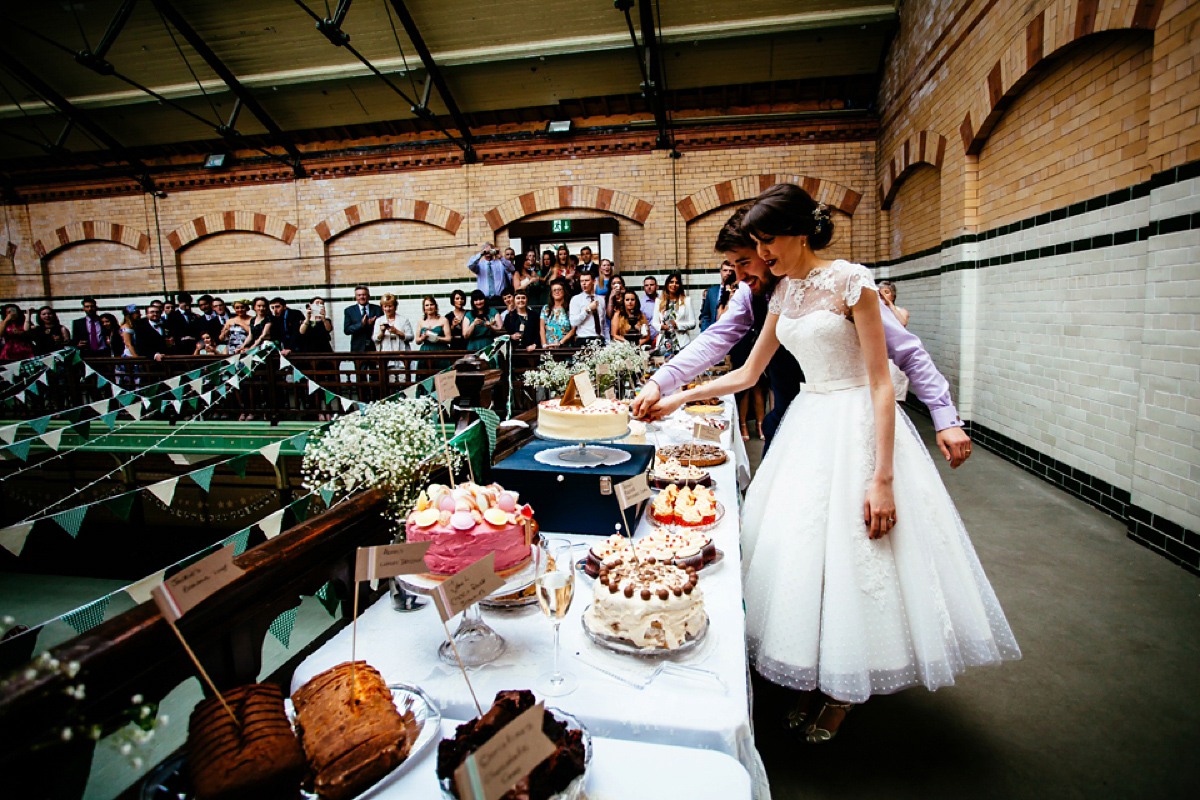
(820, 214)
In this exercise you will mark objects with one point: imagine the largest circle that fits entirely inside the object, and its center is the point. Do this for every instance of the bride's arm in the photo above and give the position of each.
(879, 506)
(740, 379)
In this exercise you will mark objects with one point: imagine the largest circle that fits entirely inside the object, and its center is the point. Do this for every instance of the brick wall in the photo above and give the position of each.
(915, 214)
(1061, 295)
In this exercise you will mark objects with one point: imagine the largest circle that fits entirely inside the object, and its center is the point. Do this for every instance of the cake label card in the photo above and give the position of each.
(511, 754)
(706, 433)
(445, 384)
(390, 560)
(185, 590)
(633, 491)
(610, 393)
(603, 369)
(467, 587)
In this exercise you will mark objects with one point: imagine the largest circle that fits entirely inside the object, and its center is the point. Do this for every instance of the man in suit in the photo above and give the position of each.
(712, 296)
(150, 334)
(359, 321)
(209, 321)
(287, 322)
(182, 326)
(86, 333)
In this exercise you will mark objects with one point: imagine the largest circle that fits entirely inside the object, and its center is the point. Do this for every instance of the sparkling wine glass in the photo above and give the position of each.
(555, 584)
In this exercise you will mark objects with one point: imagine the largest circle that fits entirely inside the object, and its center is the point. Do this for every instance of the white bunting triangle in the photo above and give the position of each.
(196, 385)
(173, 382)
(52, 438)
(135, 410)
(178, 405)
(271, 524)
(347, 403)
(164, 490)
(44, 378)
(21, 396)
(9, 433)
(207, 398)
(13, 538)
(313, 386)
(100, 406)
(87, 370)
(116, 390)
(271, 451)
(140, 592)
(236, 380)
(49, 360)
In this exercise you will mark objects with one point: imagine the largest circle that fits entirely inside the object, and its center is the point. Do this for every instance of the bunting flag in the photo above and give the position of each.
(121, 505)
(282, 627)
(300, 508)
(329, 396)
(326, 494)
(125, 399)
(117, 390)
(20, 449)
(135, 410)
(172, 382)
(71, 519)
(88, 617)
(164, 490)
(109, 419)
(49, 360)
(13, 537)
(271, 524)
(178, 404)
(196, 385)
(347, 403)
(53, 438)
(9, 433)
(271, 451)
(39, 425)
(203, 476)
(328, 598)
(177, 393)
(140, 592)
(239, 540)
(100, 406)
(299, 441)
(491, 421)
(83, 429)
(238, 465)
(313, 386)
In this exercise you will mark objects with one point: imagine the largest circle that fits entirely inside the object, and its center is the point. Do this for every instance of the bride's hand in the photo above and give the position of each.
(665, 406)
(879, 509)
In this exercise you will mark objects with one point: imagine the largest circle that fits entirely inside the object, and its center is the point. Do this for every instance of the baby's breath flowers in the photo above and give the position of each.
(624, 360)
(392, 445)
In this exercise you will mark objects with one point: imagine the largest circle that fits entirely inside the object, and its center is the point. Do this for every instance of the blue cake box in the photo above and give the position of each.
(573, 499)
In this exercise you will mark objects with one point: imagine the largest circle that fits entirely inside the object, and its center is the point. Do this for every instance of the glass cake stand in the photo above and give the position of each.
(582, 456)
(476, 641)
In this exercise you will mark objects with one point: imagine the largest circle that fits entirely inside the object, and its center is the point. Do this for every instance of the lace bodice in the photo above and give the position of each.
(814, 320)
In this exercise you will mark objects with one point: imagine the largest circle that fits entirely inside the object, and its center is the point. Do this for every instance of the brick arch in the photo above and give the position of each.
(395, 208)
(556, 197)
(926, 147)
(91, 230)
(231, 220)
(1055, 28)
(748, 187)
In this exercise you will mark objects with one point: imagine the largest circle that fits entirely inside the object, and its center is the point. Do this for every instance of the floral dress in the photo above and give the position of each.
(558, 324)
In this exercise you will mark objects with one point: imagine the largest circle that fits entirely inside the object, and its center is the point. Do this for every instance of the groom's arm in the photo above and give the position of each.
(710, 346)
(927, 383)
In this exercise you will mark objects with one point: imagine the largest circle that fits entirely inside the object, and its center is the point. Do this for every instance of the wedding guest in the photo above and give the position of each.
(587, 312)
(151, 334)
(128, 333)
(650, 301)
(359, 321)
(286, 322)
(433, 333)
(673, 316)
(630, 324)
(218, 306)
(18, 342)
(519, 323)
(614, 302)
(887, 293)
(207, 318)
(236, 332)
(527, 276)
(557, 330)
(509, 300)
(712, 296)
(49, 334)
(87, 334)
(586, 264)
(113, 344)
(565, 268)
(491, 272)
(206, 346)
(479, 328)
(261, 329)
(181, 325)
(457, 319)
(392, 334)
(316, 336)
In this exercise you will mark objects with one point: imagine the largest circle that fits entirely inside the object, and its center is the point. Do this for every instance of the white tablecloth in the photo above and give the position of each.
(620, 770)
(707, 706)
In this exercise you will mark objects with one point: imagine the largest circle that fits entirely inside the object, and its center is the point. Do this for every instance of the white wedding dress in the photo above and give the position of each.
(826, 606)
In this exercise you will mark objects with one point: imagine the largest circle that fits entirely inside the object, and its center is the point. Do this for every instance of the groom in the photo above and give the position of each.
(745, 316)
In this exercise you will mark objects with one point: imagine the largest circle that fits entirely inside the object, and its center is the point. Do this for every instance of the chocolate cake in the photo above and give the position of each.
(551, 776)
(257, 757)
(351, 741)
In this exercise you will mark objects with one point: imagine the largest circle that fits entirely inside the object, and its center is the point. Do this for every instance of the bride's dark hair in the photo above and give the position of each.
(787, 210)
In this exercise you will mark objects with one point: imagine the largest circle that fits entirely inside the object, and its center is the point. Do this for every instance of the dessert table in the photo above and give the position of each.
(698, 699)
(620, 770)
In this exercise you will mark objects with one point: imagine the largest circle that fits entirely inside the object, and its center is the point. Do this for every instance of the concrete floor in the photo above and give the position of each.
(1105, 702)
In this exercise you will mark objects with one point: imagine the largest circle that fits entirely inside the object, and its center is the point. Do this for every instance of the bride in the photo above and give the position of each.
(859, 576)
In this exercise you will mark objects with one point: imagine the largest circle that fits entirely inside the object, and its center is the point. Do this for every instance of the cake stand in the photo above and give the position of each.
(477, 643)
(581, 456)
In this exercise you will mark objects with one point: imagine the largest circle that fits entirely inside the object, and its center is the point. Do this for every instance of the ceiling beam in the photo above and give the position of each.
(767, 26)
(77, 117)
(230, 80)
(435, 74)
(653, 87)
(95, 59)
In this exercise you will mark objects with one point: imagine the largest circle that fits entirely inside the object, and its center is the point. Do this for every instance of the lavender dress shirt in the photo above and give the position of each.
(904, 348)
(648, 307)
(500, 269)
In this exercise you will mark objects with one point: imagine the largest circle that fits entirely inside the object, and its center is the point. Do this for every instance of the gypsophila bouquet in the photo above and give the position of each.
(625, 361)
(391, 445)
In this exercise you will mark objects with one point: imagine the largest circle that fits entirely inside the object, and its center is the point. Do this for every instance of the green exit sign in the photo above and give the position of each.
(561, 226)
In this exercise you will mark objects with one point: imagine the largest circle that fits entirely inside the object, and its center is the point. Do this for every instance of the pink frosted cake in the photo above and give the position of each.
(467, 522)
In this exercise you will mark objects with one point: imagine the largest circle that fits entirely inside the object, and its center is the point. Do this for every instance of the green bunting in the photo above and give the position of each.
(88, 617)
(121, 505)
(329, 599)
(238, 464)
(71, 519)
(300, 507)
(491, 421)
(282, 627)
(203, 476)
(239, 540)
(109, 419)
(39, 425)
(20, 449)
(326, 494)
(299, 440)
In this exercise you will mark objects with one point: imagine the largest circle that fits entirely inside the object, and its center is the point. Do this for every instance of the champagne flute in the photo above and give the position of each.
(555, 584)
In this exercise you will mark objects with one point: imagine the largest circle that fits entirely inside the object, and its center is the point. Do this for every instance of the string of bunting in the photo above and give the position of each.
(10, 371)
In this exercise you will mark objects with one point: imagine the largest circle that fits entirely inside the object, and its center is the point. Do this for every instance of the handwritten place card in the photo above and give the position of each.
(603, 369)
(445, 385)
(185, 590)
(510, 755)
(467, 587)
(706, 433)
(390, 560)
(610, 393)
(633, 491)
(587, 392)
